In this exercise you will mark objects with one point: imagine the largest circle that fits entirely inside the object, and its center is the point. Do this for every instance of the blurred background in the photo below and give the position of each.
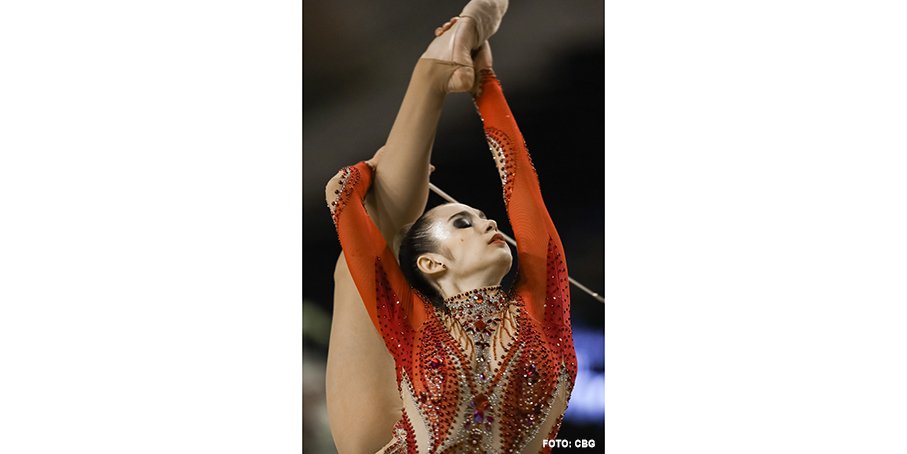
(549, 56)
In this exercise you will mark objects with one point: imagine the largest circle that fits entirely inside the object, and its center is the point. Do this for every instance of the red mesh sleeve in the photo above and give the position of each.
(543, 270)
(393, 307)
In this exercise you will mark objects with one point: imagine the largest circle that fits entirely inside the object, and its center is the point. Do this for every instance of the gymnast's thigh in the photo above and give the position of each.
(362, 397)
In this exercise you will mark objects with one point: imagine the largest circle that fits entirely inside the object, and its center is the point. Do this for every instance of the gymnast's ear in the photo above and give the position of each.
(432, 265)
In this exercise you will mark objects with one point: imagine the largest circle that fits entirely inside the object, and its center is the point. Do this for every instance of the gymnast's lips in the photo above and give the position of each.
(496, 237)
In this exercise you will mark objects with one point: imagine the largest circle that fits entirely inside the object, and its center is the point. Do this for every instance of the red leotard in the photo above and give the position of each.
(495, 372)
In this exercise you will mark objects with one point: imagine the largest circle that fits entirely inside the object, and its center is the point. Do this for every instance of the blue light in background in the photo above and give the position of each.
(587, 402)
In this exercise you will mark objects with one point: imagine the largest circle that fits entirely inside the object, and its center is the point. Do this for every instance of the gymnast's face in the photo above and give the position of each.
(469, 243)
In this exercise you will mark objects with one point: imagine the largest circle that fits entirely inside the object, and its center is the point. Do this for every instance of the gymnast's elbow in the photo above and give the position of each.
(332, 188)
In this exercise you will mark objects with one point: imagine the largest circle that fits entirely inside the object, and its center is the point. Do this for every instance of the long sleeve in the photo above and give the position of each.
(543, 270)
(392, 306)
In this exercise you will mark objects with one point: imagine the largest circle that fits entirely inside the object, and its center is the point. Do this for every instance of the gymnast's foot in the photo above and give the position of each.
(455, 40)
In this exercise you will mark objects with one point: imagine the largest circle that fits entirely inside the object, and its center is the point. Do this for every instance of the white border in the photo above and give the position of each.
(756, 251)
(150, 208)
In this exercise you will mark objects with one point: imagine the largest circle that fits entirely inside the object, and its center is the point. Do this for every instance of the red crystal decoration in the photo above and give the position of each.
(511, 393)
(480, 404)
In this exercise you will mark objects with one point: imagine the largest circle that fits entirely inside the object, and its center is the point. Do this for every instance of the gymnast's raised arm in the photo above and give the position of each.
(402, 166)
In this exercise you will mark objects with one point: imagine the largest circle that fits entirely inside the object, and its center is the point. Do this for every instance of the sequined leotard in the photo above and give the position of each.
(494, 373)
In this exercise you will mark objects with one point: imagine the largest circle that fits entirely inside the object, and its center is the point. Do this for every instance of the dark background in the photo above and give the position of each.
(549, 56)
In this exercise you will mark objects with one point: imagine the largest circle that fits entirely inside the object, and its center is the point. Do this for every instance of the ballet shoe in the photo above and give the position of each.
(479, 20)
(487, 15)
(454, 46)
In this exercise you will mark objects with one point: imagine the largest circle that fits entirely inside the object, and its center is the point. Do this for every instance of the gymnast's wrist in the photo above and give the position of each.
(486, 76)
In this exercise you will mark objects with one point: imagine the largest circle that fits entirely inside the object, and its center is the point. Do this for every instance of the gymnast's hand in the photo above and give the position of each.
(482, 60)
(440, 30)
(481, 57)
